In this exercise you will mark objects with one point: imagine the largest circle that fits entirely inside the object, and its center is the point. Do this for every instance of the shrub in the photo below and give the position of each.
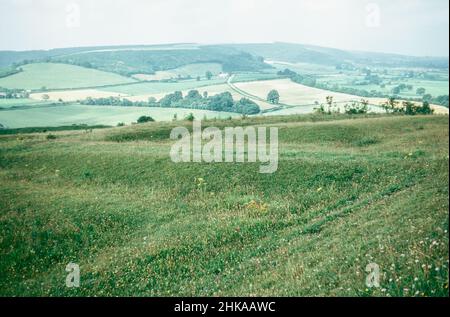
(145, 119)
(357, 107)
(190, 117)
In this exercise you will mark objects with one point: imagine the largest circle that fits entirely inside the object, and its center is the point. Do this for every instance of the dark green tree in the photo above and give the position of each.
(144, 119)
(273, 97)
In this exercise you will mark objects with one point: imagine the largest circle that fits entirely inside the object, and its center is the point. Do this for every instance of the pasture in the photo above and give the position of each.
(349, 191)
(58, 76)
(193, 70)
(21, 102)
(63, 115)
(162, 87)
(74, 95)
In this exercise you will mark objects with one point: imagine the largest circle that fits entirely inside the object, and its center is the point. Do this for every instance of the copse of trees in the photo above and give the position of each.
(299, 79)
(420, 91)
(6, 93)
(193, 100)
(169, 99)
(246, 106)
(441, 100)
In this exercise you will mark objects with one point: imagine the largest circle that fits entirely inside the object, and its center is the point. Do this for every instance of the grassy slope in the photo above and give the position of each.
(347, 193)
(193, 70)
(57, 76)
(57, 115)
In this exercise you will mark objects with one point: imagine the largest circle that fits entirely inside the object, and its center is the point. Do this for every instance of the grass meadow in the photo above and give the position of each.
(62, 115)
(59, 76)
(349, 191)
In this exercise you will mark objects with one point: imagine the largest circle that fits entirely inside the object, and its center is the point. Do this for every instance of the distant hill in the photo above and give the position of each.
(130, 60)
(295, 53)
(147, 59)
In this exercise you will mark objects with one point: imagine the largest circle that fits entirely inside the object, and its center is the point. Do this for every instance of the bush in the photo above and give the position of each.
(190, 117)
(145, 119)
(407, 107)
(357, 107)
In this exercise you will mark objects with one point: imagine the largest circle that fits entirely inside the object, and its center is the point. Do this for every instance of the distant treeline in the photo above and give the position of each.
(6, 93)
(193, 100)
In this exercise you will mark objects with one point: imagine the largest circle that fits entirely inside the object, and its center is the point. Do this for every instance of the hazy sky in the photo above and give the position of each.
(414, 27)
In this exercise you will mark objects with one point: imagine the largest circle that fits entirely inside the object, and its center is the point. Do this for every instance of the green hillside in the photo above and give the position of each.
(349, 191)
(57, 76)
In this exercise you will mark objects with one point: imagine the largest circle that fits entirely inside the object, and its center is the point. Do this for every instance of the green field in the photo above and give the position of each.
(190, 70)
(58, 76)
(162, 87)
(20, 102)
(59, 115)
(349, 191)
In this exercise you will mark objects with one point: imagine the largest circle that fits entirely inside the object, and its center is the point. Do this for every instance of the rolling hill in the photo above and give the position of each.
(349, 191)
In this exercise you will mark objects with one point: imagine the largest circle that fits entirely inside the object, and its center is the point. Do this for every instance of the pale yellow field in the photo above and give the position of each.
(211, 90)
(74, 95)
(291, 93)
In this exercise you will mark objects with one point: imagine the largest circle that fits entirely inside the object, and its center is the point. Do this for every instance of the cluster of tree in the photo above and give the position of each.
(113, 101)
(297, 78)
(346, 66)
(421, 91)
(402, 87)
(407, 107)
(440, 100)
(6, 93)
(193, 100)
(220, 102)
(372, 79)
